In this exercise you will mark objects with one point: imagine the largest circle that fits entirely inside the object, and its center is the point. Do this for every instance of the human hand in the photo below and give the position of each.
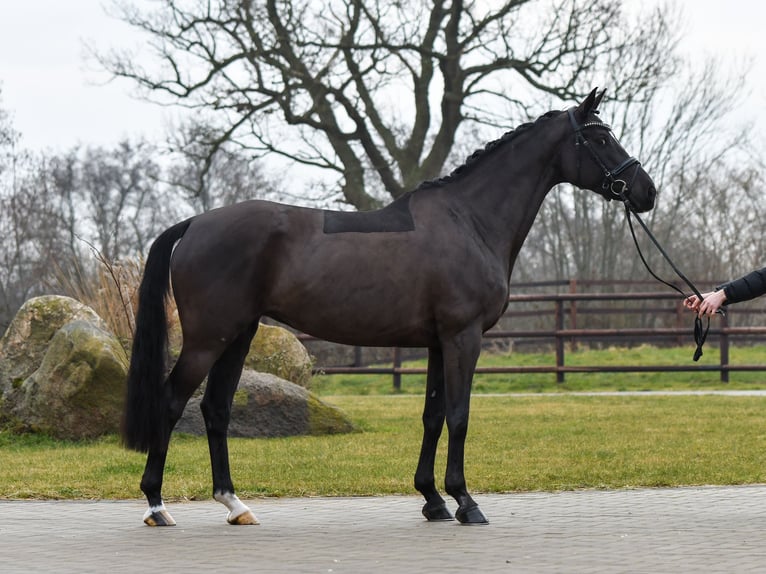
(709, 304)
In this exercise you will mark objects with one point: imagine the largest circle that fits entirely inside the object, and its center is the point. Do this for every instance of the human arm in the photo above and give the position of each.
(745, 288)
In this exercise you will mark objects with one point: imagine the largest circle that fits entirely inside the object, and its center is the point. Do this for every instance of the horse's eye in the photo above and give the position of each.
(602, 142)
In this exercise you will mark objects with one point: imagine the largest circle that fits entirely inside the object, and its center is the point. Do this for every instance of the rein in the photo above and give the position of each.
(619, 189)
(700, 332)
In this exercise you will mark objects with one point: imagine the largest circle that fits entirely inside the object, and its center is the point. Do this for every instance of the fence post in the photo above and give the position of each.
(559, 340)
(573, 312)
(724, 343)
(397, 365)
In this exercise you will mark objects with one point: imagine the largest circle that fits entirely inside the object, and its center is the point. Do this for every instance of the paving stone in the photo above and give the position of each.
(707, 529)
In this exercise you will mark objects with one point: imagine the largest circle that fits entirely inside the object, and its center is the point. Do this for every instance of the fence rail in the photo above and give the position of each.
(567, 307)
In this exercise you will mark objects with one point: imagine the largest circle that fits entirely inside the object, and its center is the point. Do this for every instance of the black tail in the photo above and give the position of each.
(144, 423)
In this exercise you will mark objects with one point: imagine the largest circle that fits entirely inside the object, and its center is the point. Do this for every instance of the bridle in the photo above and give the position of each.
(616, 188)
(619, 189)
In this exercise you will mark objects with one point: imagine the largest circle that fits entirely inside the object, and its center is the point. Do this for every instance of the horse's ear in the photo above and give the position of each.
(589, 105)
(599, 97)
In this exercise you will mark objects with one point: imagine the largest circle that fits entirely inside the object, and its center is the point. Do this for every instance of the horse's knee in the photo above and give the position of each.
(433, 425)
(458, 428)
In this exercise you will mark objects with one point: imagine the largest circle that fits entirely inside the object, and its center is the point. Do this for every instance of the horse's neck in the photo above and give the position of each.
(508, 197)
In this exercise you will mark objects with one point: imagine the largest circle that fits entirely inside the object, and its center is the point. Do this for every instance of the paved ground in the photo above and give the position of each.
(711, 529)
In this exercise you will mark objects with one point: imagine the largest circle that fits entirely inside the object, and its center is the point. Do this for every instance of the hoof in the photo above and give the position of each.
(158, 517)
(437, 512)
(243, 519)
(239, 513)
(471, 515)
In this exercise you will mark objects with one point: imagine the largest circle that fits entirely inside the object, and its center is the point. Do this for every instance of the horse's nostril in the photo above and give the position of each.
(652, 193)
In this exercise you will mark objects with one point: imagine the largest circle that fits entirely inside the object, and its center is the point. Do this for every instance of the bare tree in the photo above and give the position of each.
(30, 235)
(110, 198)
(121, 198)
(18, 278)
(206, 181)
(373, 92)
(55, 209)
(678, 125)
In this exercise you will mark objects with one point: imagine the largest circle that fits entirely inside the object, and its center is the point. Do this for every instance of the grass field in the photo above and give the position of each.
(546, 382)
(547, 441)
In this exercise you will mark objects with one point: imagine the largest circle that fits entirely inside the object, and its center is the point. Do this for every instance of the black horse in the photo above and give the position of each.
(430, 270)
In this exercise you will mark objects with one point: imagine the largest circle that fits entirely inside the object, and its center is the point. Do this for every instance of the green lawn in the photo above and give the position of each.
(548, 440)
(541, 442)
(546, 382)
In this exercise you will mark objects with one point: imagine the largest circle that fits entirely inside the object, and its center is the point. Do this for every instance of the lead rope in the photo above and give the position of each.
(700, 333)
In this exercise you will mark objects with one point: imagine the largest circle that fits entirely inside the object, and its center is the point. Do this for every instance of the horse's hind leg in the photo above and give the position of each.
(186, 376)
(433, 421)
(216, 409)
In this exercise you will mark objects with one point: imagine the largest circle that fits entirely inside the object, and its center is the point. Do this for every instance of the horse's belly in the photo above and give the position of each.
(387, 289)
(369, 326)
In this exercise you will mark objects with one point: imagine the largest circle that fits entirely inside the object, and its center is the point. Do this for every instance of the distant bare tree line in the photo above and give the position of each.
(56, 210)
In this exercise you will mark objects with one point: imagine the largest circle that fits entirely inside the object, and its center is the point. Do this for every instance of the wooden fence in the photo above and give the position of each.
(566, 319)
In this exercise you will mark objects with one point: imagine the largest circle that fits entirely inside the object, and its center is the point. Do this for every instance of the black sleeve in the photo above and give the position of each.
(745, 288)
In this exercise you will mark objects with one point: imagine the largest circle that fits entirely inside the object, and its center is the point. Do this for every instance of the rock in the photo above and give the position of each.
(266, 406)
(27, 338)
(61, 372)
(277, 351)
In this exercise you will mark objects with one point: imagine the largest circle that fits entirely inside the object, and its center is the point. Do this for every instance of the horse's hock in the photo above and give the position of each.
(63, 373)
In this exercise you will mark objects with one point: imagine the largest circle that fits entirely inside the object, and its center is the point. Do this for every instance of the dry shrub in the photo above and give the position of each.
(111, 290)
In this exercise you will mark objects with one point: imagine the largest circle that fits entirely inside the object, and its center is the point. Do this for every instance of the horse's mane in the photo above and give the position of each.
(475, 158)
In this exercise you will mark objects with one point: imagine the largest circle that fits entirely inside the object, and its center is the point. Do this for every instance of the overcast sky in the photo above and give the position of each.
(57, 100)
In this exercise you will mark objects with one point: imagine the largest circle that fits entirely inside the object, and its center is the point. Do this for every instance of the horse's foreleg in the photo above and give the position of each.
(216, 409)
(433, 421)
(460, 356)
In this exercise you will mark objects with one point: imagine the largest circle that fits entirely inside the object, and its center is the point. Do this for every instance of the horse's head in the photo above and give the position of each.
(595, 160)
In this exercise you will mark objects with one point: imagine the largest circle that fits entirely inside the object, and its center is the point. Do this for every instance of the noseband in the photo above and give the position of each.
(617, 188)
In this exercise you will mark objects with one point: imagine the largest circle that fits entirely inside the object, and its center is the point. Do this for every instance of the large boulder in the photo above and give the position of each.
(27, 338)
(61, 371)
(266, 406)
(277, 351)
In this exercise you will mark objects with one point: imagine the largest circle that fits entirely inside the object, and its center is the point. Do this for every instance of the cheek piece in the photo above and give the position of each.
(617, 188)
